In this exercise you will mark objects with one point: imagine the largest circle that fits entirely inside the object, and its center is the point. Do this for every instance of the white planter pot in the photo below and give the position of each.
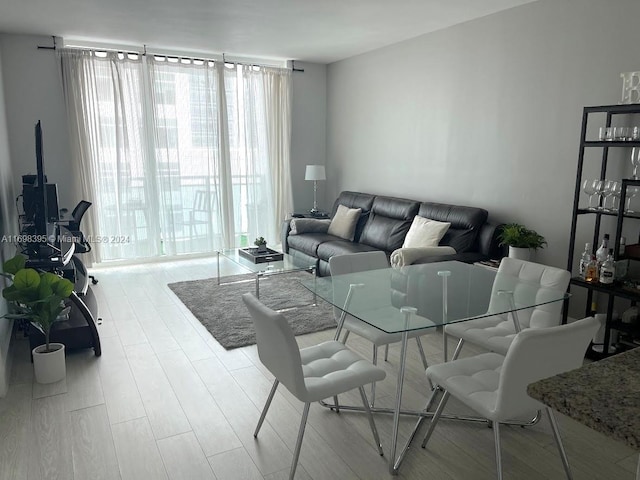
(49, 367)
(520, 253)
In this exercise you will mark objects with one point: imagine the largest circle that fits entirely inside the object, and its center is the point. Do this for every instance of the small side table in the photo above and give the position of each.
(310, 215)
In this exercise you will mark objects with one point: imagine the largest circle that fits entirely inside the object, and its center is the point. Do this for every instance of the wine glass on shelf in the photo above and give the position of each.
(589, 187)
(631, 192)
(607, 191)
(616, 189)
(599, 187)
(635, 161)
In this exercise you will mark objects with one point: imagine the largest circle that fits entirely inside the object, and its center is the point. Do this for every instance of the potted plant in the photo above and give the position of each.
(39, 298)
(261, 243)
(521, 240)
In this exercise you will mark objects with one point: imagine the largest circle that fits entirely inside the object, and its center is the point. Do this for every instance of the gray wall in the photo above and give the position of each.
(33, 91)
(8, 226)
(308, 134)
(486, 113)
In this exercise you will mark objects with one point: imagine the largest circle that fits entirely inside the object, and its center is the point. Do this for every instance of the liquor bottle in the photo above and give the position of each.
(622, 265)
(591, 271)
(608, 269)
(623, 246)
(630, 315)
(585, 259)
(601, 253)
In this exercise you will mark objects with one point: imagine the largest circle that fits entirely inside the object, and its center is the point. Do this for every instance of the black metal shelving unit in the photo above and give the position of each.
(617, 289)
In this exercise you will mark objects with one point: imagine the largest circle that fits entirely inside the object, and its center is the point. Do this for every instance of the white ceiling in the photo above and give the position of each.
(321, 31)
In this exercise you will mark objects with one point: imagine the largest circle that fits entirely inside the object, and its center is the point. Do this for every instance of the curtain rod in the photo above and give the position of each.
(167, 55)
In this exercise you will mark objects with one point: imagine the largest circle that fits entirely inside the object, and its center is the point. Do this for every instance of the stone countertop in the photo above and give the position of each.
(603, 395)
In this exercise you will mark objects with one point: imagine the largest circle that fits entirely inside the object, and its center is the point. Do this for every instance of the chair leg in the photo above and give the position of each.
(266, 407)
(556, 436)
(496, 437)
(436, 417)
(456, 353)
(445, 345)
(423, 357)
(336, 405)
(386, 352)
(296, 452)
(346, 335)
(372, 423)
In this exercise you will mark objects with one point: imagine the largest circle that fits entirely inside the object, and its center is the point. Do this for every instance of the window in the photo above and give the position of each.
(153, 154)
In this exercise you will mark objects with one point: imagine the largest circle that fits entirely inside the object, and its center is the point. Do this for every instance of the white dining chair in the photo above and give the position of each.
(495, 333)
(361, 262)
(310, 374)
(495, 386)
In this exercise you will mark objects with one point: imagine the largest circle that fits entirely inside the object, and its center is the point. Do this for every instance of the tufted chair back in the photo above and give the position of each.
(536, 354)
(536, 279)
(277, 347)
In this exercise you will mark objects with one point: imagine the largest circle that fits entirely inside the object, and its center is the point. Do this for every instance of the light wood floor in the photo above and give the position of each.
(166, 401)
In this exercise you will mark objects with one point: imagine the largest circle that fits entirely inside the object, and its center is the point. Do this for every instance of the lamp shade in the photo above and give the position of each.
(315, 172)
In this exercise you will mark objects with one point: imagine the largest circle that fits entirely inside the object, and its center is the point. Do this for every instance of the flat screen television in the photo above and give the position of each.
(39, 187)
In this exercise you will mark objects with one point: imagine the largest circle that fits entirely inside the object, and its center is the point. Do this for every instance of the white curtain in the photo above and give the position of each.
(179, 156)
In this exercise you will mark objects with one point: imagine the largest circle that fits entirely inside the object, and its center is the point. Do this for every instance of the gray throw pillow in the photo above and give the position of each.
(343, 223)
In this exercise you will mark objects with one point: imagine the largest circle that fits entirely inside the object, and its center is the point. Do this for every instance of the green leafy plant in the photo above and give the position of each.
(516, 235)
(36, 296)
(259, 241)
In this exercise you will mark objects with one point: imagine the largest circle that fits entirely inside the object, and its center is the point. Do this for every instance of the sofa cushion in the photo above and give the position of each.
(364, 201)
(389, 222)
(465, 223)
(343, 224)
(308, 243)
(341, 247)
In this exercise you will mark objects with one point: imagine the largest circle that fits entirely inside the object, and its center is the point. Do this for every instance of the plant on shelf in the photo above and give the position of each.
(37, 297)
(517, 237)
(261, 243)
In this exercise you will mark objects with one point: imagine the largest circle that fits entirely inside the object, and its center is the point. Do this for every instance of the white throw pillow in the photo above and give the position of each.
(343, 224)
(425, 232)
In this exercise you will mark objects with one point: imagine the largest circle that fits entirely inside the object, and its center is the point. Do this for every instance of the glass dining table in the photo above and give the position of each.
(427, 296)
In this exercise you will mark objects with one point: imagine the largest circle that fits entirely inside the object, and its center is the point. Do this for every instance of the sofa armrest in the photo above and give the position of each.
(406, 256)
(488, 240)
(284, 234)
(309, 225)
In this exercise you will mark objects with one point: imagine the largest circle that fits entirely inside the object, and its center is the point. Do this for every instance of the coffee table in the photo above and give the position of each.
(288, 264)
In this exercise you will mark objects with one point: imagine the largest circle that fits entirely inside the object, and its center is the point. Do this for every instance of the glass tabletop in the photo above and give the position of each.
(270, 266)
(377, 296)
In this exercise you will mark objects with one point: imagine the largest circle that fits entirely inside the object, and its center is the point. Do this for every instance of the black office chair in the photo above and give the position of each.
(82, 245)
(77, 214)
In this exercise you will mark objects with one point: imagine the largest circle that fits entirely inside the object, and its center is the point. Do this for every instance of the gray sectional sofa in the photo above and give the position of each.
(383, 225)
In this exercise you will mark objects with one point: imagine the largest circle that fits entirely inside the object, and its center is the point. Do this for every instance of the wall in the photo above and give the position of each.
(486, 113)
(33, 90)
(8, 226)
(308, 135)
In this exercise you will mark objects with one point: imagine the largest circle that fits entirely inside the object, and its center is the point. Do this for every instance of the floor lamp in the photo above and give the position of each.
(315, 173)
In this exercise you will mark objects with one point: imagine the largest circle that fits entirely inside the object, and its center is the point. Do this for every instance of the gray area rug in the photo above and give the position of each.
(221, 310)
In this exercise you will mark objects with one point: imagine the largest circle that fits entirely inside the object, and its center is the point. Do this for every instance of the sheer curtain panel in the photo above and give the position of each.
(179, 155)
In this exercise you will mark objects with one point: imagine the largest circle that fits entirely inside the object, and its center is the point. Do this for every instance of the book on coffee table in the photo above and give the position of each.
(252, 254)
